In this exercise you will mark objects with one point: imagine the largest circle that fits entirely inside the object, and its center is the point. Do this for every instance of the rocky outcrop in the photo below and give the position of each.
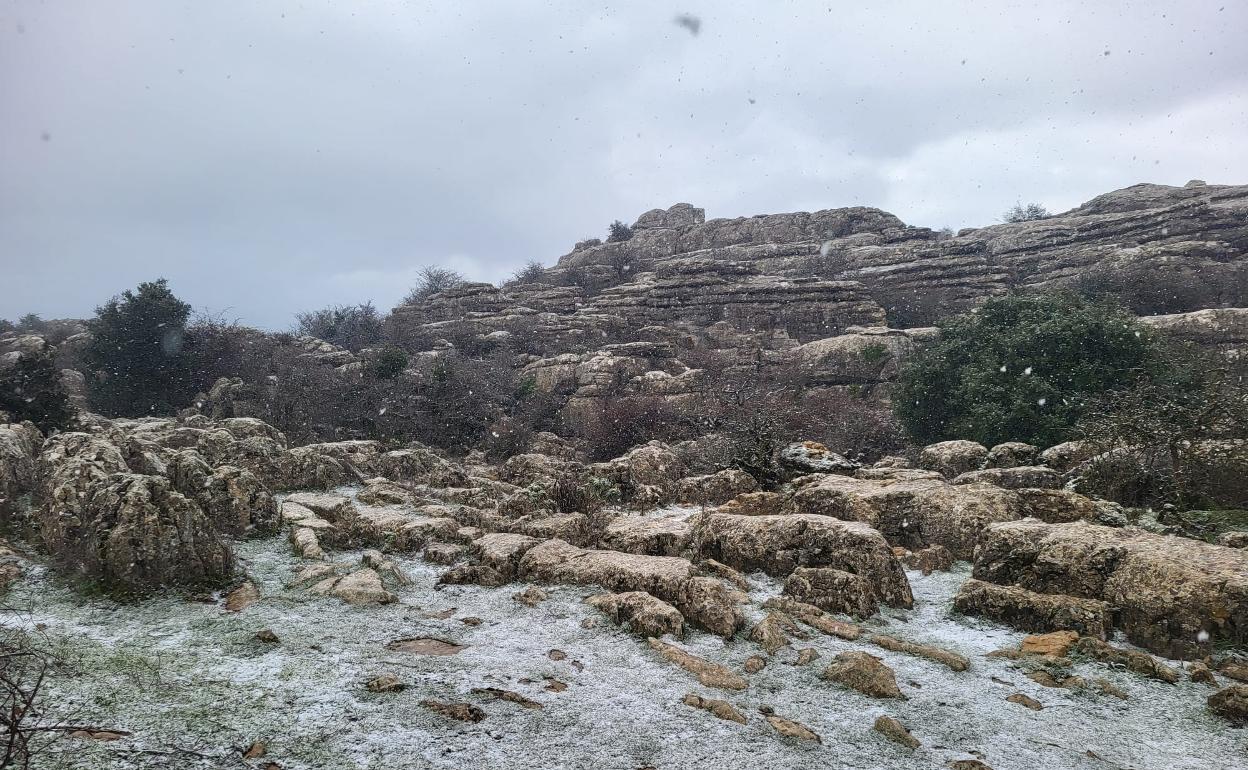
(911, 513)
(832, 590)
(863, 672)
(1172, 595)
(135, 534)
(778, 545)
(703, 601)
(18, 445)
(641, 613)
(1032, 611)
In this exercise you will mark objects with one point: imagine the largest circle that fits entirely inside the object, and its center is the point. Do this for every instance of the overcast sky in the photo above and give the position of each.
(277, 156)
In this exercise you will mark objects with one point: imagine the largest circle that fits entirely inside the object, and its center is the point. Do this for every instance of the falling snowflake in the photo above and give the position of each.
(1042, 401)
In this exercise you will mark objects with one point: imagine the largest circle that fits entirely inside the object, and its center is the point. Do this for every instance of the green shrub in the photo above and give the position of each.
(31, 390)
(1023, 368)
(136, 357)
(389, 364)
(618, 232)
(874, 353)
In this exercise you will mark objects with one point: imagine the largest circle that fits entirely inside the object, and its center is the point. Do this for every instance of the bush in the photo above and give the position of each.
(861, 428)
(32, 390)
(618, 232)
(1020, 213)
(136, 356)
(430, 281)
(30, 323)
(532, 272)
(389, 364)
(622, 422)
(1178, 439)
(348, 326)
(1023, 368)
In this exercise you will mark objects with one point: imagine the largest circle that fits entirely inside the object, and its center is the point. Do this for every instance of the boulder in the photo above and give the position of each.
(236, 501)
(18, 446)
(12, 566)
(1054, 644)
(813, 457)
(502, 552)
(754, 504)
(708, 673)
(1032, 611)
(789, 728)
(863, 672)
(703, 601)
(136, 534)
(778, 545)
(1166, 590)
(715, 488)
(641, 613)
(1014, 477)
(420, 465)
(1139, 662)
(953, 458)
(912, 513)
(1011, 454)
(895, 731)
(720, 708)
(934, 558)
(651, 535)
(832, 590)
(814, 617)
(361, 587)
(771, 633)
(1065, 457)
(1231, 703)
(443, 553)
(953, 660)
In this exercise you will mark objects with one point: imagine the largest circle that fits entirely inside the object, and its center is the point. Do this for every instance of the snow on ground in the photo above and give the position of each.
(185, 676)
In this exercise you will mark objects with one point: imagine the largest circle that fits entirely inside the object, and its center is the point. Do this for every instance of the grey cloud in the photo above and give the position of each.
(269, 158)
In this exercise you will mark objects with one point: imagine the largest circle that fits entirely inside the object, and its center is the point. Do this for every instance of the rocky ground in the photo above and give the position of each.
(444, 613)
(191, 685)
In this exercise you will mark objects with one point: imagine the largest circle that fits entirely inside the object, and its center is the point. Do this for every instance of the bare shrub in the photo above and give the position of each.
(532, 272)
(1181, 439)
(1025, 213)
(429, 281)
(348, 326)
(26, 664)
(622, 422)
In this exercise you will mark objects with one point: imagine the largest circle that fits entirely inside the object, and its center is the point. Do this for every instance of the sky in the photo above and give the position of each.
(274, 157)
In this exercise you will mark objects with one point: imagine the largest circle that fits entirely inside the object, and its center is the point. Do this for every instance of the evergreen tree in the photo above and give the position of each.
(137, 359)
(1023, 368)
(32, 390)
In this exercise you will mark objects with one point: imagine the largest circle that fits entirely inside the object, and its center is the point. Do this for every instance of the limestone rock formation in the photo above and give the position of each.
(1166, 590)
(778, 545)
(641, 613)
